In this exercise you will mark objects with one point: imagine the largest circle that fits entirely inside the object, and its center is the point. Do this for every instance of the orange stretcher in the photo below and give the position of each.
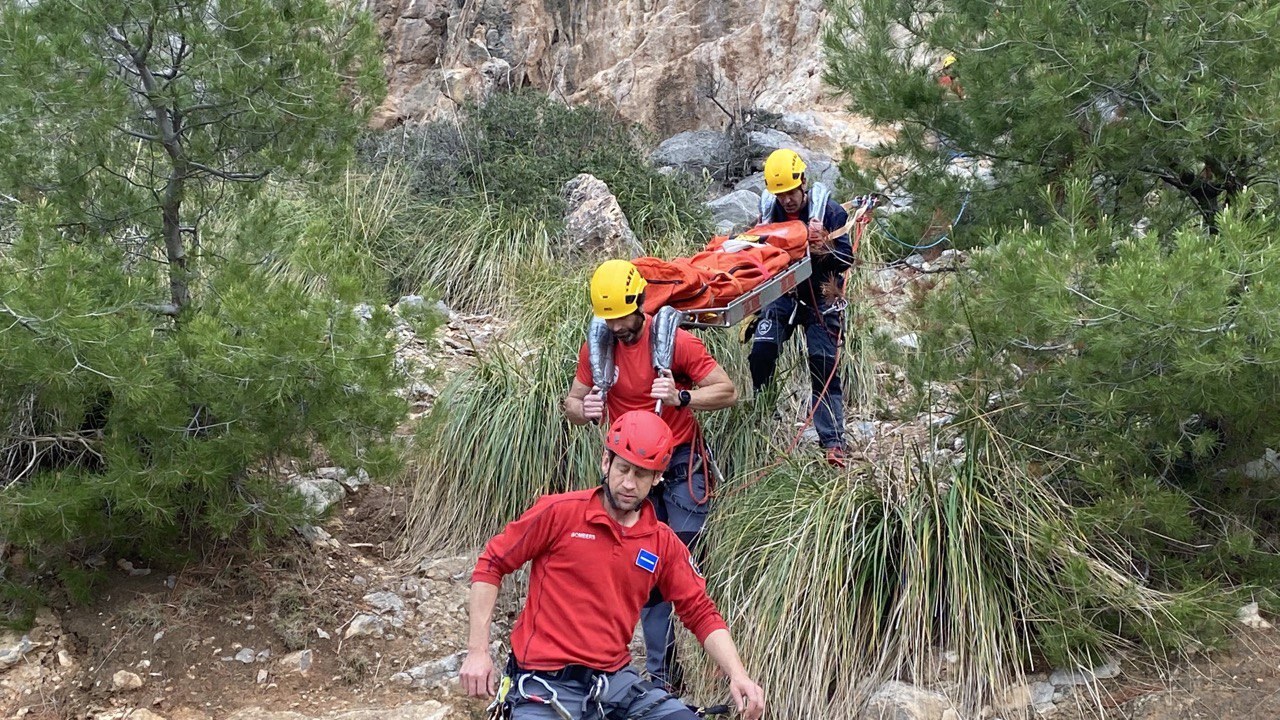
(737, 275)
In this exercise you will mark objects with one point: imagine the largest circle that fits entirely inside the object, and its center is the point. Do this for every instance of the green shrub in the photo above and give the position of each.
(837, 581)
(487, 189)
(1142, 368)
(124, 431)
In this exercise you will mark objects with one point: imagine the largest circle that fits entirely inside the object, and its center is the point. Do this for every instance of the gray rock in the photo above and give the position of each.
(296, 662)
(753, 182)
(371, 625)
(385, 602)
(736, 211)
(768, 140)
(364, 311)
(693, 152)
(246, 656)
(1264, 468)
(12, 650)
(410, 302)
(910, 341)
(901, 701)
(1041, 693)
(320, 493)
(595, 224)
(1067, 678)
(262, 676)
(432, 673)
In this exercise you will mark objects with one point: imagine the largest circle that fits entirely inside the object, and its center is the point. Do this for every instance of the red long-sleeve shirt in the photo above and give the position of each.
(590, 577)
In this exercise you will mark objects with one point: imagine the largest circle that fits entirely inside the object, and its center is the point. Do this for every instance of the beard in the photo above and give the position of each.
(617, 504)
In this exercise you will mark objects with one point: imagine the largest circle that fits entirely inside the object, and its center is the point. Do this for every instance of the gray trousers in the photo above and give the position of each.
(612, 696)
(676, 501)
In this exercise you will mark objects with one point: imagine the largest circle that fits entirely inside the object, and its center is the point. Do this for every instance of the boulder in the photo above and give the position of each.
(595, 224)
(320, 493)
(736, 211)
(694, 151)
(124, 680)
(753, 182)
(902, 701)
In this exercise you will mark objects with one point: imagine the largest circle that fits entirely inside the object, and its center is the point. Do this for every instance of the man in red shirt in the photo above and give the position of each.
(597, 556)
(682, 499)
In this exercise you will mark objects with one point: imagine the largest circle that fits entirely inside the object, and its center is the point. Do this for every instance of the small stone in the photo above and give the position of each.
(359, 580)
(262, 676)
(366, 625)
(124, 680)
(11, 650)
(65, 660)
(245, 655)
(385, 602)
(156, 638)
(263, 655)
(1247, 615)
(299, 661)
(1041, 693)
(322, 634)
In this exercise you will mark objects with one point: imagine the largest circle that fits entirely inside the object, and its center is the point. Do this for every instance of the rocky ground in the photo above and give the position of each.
(329, 627)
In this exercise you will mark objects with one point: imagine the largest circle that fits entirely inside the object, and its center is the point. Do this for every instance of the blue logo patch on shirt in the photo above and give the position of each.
(647, 560)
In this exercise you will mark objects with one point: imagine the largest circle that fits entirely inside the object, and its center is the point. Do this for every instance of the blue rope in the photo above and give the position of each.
(884, 228)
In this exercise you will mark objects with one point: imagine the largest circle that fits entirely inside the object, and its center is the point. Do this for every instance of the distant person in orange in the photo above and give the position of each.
(949, 76)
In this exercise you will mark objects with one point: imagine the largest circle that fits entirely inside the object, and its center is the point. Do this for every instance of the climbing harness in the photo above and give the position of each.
(500, 708)
(553, 701)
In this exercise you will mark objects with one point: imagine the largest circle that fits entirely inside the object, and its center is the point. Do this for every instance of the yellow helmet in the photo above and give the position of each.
(783, 171)
(948, 61)
(615, 289)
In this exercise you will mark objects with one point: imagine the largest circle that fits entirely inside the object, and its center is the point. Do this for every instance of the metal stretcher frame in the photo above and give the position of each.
(751, 301)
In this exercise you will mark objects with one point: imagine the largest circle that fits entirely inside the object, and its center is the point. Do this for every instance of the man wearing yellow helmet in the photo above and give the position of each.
(695, 382)
(817, 304)
(949, 76)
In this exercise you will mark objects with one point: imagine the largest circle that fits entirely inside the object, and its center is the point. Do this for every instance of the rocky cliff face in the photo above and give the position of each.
(658, 62)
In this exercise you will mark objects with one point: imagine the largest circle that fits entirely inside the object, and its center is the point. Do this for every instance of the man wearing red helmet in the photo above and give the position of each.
(597, 555)
(695, 381)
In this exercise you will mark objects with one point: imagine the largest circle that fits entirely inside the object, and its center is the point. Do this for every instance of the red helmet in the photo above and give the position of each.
(642, 438)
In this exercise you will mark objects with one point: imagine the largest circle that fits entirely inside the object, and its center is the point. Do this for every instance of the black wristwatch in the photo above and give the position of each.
(685, 399)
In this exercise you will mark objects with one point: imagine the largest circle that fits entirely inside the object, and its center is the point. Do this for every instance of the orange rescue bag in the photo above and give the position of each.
(716, 277)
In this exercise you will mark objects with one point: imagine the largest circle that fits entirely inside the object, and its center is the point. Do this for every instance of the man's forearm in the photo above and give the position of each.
(713, 397)
(719, 646)
(483, 598)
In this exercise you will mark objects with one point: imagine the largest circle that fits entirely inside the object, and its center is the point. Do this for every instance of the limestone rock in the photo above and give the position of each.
(12, 648)
(385, 601)
(1247, 615)
(320, 493)
(694, 151)
(124, 680)
(299, 661)
(1067, 677)
(753, 182)
(901, 701)
(595, 224)
(366, 625)
(736, 211)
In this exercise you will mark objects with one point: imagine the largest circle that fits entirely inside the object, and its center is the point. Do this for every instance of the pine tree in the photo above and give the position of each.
(1165, 108)
(156, 362)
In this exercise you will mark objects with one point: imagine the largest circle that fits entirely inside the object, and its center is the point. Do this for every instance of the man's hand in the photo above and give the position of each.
(819, 238)
(477, 675)
(664, 389)
(593, 405)
(748, 696)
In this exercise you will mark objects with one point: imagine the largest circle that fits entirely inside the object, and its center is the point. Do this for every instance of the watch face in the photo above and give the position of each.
(685, 397)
